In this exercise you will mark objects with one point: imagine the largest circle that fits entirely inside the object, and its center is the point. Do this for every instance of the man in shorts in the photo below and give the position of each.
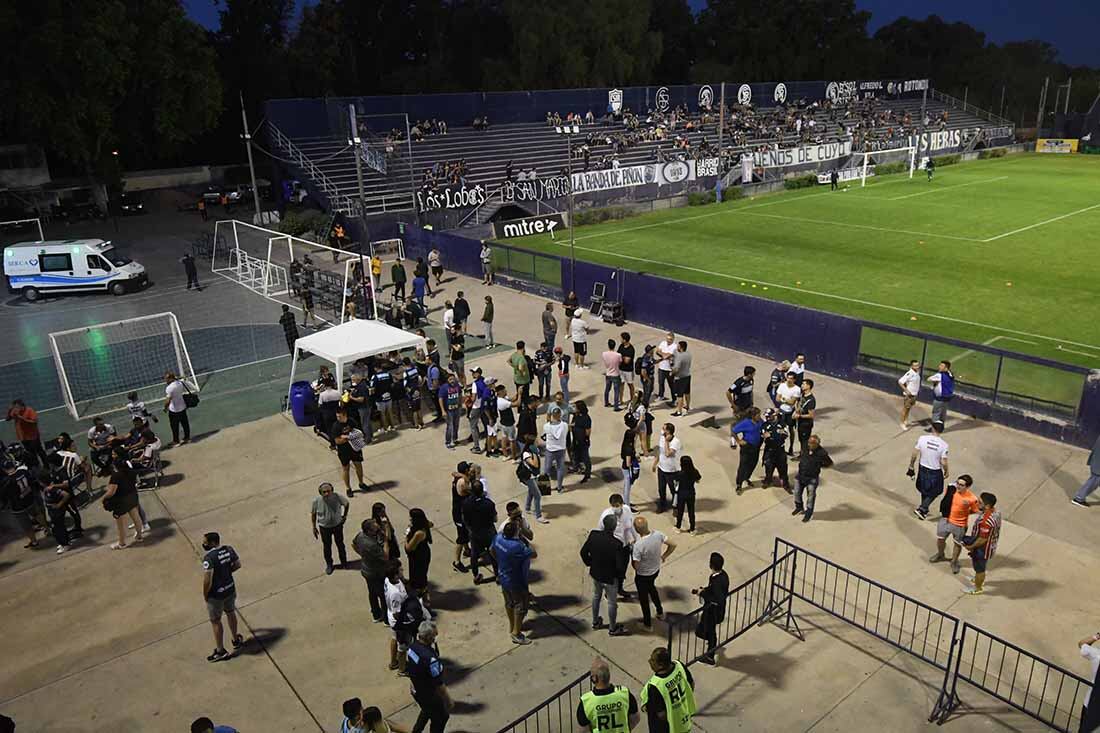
(349, 441)
(578, 334)
(983, 544)
(958, 503)
(513, 557)
(219, 590)
(681, 373)
(506, 424)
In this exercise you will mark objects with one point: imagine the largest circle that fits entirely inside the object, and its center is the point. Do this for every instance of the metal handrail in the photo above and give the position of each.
(967, 107)
(340, 201)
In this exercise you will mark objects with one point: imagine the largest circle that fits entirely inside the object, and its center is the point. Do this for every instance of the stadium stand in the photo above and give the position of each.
(490, 155)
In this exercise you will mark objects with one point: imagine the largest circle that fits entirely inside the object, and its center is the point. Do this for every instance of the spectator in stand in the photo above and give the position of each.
(26, 432)
(513, 557)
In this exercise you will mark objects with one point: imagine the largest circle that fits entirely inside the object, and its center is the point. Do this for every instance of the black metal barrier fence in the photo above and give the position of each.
(1030, 684)
(1024, 681)
(750, 604)
(963, 652)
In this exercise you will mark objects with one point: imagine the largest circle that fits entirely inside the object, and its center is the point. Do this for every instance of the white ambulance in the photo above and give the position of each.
(70, 266)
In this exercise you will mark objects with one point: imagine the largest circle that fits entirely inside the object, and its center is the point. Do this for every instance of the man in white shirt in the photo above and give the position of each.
(448, 320)
(1091, 653)
(798, 367)
(650, 550)
(787, 395)
(176, 408)
(932, 452)
(554, 434)
(666, 464)
(624, 533)
(665, 351)
(910, 388)
(578, 334)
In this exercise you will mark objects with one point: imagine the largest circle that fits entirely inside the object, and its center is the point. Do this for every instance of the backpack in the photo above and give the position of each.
(410, 615)
(523, 471)
(531, 372)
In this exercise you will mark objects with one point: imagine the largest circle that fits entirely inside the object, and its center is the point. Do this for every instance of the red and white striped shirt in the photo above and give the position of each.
(989, 526)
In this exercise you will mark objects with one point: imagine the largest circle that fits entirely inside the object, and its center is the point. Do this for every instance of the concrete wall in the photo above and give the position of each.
(31, 170)
(166, 178)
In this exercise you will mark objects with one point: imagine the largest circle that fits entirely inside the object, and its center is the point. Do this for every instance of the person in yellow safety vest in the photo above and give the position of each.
(669, 696)
(607, 708)
(376, 267)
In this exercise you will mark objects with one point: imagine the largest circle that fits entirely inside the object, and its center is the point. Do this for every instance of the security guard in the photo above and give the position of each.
(607, 708)
(669, 696)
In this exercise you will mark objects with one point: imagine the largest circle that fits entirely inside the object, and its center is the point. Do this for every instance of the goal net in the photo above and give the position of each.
(873, 161)
(99, 365)
(388, 250)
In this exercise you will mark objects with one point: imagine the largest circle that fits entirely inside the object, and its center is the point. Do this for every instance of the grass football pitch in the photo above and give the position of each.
(1000, 252)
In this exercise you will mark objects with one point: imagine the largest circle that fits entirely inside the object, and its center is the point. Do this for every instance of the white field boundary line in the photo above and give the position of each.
(1080, 353)
(1041, 223)
(843, 298)
(941, 189)
(864, 226)
(989, 342)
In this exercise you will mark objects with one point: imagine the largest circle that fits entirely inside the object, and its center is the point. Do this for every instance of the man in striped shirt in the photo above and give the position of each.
(983, 544)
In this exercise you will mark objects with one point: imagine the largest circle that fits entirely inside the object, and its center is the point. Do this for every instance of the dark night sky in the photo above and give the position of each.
(1069, 24)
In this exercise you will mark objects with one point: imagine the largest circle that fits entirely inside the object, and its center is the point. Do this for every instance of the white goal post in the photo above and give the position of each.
(892, 155)
(20, 222)
(388, 249)
(98, 365)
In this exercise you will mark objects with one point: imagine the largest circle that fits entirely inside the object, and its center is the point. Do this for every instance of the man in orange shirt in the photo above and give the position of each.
(958, 503)
(26, 432)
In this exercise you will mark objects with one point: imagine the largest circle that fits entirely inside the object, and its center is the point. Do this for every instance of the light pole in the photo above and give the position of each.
(355, 141)
(569, 131)
(247, 137)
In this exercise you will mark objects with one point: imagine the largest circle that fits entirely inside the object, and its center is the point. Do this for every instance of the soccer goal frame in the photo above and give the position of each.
(385, 249)
(181, 365)
(349, 265)
(35, 220)
(912, 156)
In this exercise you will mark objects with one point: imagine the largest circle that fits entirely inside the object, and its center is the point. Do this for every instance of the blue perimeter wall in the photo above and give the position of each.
(767, 328)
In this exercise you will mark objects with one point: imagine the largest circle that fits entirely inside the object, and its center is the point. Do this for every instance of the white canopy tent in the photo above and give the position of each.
(352, 340)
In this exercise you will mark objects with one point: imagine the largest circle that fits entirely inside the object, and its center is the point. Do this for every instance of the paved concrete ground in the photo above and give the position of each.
(115, 641)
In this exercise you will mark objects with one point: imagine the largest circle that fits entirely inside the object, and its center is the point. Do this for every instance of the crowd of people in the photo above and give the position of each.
(530, 417)
(424, 128)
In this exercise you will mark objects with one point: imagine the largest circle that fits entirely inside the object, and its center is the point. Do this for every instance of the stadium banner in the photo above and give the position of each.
(545, 224)
(705, 167)
(450, 197)
(635, 175)
(675, 171)
(847, 174)
(539, 189)
(936, 141)
(1055, 145)
(802, 155)
(999, 133)
(373, 158)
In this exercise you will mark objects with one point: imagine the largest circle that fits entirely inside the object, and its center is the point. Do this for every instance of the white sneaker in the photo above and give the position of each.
(130, 526)
(61, 549)
(146, 528)
(542, 520)
(904, 426)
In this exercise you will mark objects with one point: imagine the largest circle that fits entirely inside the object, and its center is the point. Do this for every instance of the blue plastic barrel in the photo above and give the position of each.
(302, 401)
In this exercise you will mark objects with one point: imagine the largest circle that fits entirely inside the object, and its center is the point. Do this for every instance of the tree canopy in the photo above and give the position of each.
(138, 76)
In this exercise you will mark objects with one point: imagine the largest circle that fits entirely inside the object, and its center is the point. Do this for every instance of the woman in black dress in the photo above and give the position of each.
(418, 548)
(685, 493)
(121, 498)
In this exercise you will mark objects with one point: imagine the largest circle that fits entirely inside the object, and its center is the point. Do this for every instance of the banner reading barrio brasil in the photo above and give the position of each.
(803, 155)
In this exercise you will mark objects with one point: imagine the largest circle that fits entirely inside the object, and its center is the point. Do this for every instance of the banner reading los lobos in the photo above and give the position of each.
(451, 197)
(803, 155)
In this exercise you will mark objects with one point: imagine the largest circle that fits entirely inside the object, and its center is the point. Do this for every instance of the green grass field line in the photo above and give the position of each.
(981, 261)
